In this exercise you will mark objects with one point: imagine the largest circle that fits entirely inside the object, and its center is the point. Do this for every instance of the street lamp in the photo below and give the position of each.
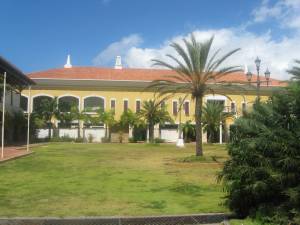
(258, 82)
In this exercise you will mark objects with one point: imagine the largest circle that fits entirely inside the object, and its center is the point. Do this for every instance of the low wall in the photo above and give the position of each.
(169, 135)
(43, 133)
(72, 132)
(96, 133)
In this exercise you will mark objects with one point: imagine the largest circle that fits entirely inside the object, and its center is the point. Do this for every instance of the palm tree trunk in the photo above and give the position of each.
(106, 131)
(198, 117)
(151, 132)
(49, 130)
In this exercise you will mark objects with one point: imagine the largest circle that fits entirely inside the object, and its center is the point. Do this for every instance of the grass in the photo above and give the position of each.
(244, 222)
(69, 179)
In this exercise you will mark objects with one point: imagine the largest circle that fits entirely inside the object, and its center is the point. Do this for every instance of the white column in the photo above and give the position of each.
(221, 132)
(28, 117)
(3, 115)
(147, 133)
(204, 135)
(130, 131)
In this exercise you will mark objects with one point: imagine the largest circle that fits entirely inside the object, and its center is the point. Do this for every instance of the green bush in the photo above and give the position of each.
(62, 139)
(105, 140)
(159, 140)
(262, 177)
(79, 140)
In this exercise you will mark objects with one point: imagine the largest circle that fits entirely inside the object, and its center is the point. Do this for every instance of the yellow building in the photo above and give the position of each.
(123, 88)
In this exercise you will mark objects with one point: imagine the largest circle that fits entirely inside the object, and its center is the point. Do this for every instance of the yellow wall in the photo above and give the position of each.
(132, 96)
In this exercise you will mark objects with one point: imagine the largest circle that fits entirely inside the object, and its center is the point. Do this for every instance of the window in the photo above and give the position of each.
(175, 108)
(244, 107)
(41, 102)
(125, 105)
(187, 108)
(113, 105)
(163, 104)
(66, 103)
(138, 106)
(24, 103)
(232, 107)
(92, 104)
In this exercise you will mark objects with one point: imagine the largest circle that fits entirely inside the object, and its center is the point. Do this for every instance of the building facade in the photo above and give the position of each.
(123, 88)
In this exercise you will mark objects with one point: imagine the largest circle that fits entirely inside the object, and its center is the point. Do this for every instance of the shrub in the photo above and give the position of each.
(79, 140)
(90, 138)
(132, 140)
(105, 140)
(262, 177)
(159, 140)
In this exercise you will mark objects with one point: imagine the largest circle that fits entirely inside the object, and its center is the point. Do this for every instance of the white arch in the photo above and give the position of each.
(38, 95)
(97, 96)
(70, 95)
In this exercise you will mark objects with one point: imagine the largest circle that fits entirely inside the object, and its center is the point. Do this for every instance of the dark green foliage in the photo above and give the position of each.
(262, 178)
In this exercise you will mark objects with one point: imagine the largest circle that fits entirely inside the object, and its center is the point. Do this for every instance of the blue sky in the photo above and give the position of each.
(38, 34)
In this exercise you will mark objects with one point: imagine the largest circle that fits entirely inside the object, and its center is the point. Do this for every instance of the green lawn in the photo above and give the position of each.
(68, 179)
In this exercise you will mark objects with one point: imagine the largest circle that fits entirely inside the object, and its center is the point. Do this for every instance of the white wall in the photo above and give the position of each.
(169, 135)
(72, 133)
(97, 133)
(43, 133)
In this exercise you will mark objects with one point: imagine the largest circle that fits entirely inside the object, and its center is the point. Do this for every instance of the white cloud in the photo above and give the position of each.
(286, 12)
(276, 55)
(117, 48)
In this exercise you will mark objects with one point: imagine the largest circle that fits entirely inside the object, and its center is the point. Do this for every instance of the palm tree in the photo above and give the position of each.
(195, 69)
(295, 71)
(47, 111)
(188, 129)
(213, 115)
(108, 118)
(153, 114)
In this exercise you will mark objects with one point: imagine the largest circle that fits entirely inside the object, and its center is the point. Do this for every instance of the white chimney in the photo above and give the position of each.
(118, 64)
(246, 69)
(68, 64)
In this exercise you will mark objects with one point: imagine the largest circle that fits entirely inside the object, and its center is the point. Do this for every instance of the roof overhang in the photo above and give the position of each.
(14, 76)
(135, 85)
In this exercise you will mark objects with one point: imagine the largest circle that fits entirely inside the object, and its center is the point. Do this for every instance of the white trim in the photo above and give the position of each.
(98, 96)
(70, 95)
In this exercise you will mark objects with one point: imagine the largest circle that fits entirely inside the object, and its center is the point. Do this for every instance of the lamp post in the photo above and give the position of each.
(258, 82)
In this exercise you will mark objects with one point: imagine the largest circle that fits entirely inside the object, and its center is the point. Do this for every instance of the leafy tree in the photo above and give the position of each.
(213, 114)
(153, 114)
(262, 177)
(48, 111)
(195, 68)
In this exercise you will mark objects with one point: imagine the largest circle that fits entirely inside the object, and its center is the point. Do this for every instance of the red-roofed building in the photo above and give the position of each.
(115, 88)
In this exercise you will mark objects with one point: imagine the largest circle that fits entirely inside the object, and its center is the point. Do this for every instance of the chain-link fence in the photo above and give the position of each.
(150, 220)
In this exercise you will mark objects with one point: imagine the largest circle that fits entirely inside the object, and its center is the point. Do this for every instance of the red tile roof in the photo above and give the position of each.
(127, 74)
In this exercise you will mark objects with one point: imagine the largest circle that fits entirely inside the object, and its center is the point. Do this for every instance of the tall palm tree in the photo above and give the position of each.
(195, 68)
(295, 71)
(153, 114)
(47, 111)
(213, 114)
